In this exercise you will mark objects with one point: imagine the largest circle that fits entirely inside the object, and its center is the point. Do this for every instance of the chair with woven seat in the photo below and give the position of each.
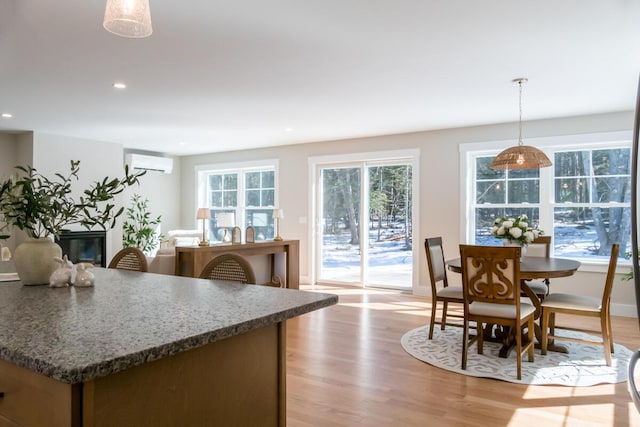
(229, 266)
(491, 287)
(540, 247)
(440, 293)
(132, 259)
(582, 305)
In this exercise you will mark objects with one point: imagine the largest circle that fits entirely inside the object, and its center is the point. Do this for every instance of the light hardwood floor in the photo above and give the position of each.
(346, 367)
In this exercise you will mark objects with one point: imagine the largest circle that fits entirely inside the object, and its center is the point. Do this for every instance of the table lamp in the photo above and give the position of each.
(204, 214)
(277, 215)
(225, 220)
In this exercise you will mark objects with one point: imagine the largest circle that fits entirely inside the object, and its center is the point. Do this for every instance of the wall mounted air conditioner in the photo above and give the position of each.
(149, 163)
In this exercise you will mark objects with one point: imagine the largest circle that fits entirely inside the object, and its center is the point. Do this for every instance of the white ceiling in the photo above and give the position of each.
(226, 75)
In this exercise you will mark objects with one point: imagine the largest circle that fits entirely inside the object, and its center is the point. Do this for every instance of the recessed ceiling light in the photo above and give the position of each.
(7, 115)
(182, 143)
(119, 85)
(288, 129)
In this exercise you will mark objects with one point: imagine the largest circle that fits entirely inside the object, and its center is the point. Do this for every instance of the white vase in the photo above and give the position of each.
(34, 260)
(523, 248)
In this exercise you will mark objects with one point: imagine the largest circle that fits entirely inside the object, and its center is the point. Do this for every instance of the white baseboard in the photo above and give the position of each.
(624, 310)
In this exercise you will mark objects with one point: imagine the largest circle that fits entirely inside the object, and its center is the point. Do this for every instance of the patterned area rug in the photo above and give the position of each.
(584, 365)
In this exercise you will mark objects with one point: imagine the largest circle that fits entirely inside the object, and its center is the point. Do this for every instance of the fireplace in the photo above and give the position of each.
(84, 246)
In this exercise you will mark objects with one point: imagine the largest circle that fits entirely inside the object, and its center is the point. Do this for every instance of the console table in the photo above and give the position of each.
(190, 260)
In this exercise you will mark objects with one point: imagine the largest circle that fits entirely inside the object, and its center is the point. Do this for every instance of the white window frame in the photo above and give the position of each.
(549, 145)
(240, 168)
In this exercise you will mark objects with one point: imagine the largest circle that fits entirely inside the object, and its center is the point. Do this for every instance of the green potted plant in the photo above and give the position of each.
(139, 228)
(42, 207)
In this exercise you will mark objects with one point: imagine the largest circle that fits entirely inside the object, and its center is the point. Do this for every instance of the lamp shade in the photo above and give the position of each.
(128, 18)
(225, 219)
(521, 157)
(278, 213)
(203, 213)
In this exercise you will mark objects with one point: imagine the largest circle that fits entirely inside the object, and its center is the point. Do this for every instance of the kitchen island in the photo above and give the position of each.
(146, 349)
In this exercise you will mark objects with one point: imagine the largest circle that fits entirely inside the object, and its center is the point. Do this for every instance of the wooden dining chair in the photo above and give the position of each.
(540, 247)
(491, 288)
(582, 305)
(132, 259)
(440, 289)
(229, 266)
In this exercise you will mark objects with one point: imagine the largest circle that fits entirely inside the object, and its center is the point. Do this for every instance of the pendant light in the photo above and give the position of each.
(521, 156)
(128, 18)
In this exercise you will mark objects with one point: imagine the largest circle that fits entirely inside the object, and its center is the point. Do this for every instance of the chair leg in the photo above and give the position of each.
(445, 307)
(608, 318)
(465, 343)
(518, 332)
(606, 339)
(545, 330)
(531, 338)
(432, 323)
(480, 337)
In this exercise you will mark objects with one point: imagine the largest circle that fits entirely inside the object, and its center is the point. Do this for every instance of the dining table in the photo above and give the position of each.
(531, 268)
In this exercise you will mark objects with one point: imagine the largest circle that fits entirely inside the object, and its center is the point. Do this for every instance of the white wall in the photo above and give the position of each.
(52, 153)
(438, 185)
(164, 194)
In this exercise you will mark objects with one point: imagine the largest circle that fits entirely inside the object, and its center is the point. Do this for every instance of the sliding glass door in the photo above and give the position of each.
(365, 223)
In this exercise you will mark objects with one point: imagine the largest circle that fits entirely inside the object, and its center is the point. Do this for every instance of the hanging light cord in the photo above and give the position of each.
(520, 81)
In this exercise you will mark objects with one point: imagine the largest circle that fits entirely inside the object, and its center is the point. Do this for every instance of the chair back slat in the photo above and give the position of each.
(491, 274)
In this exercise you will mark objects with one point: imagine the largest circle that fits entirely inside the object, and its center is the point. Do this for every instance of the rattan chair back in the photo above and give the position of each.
(229, 266)
(132, 259)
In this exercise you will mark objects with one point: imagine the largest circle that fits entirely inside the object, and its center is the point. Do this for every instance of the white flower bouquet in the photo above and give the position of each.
(516, 230)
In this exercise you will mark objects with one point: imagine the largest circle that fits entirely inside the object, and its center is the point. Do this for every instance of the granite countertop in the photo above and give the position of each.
(78, 334)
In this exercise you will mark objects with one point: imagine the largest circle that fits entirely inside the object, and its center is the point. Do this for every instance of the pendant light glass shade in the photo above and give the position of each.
(521, 156)
(128, 18)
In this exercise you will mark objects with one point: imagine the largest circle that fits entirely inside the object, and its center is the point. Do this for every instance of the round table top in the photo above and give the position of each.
(535, 267)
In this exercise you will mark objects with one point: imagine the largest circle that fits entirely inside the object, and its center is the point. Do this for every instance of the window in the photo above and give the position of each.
(249, 193)
(583, 200)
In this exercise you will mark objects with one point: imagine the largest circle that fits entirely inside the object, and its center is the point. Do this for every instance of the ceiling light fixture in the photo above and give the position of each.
(128, 18)
(119, 85)
(7, 115)
(521, 156)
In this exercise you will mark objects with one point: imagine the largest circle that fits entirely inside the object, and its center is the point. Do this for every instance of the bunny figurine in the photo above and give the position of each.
(62, 276)
(84, 278)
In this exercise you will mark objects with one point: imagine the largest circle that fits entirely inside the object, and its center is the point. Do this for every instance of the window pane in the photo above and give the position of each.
(484, 171)
(572, 163)
(611, 162)
(262, 222)
(525, 191)
(573, 190)
(612, 190)
(577, 231)
(231, 182)
(253, 198)
(252, 179)
(490, 192)
(268, 198)
(268, 179)
(216, 199)
(524, 173)
(230, 199)
(215, 182)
